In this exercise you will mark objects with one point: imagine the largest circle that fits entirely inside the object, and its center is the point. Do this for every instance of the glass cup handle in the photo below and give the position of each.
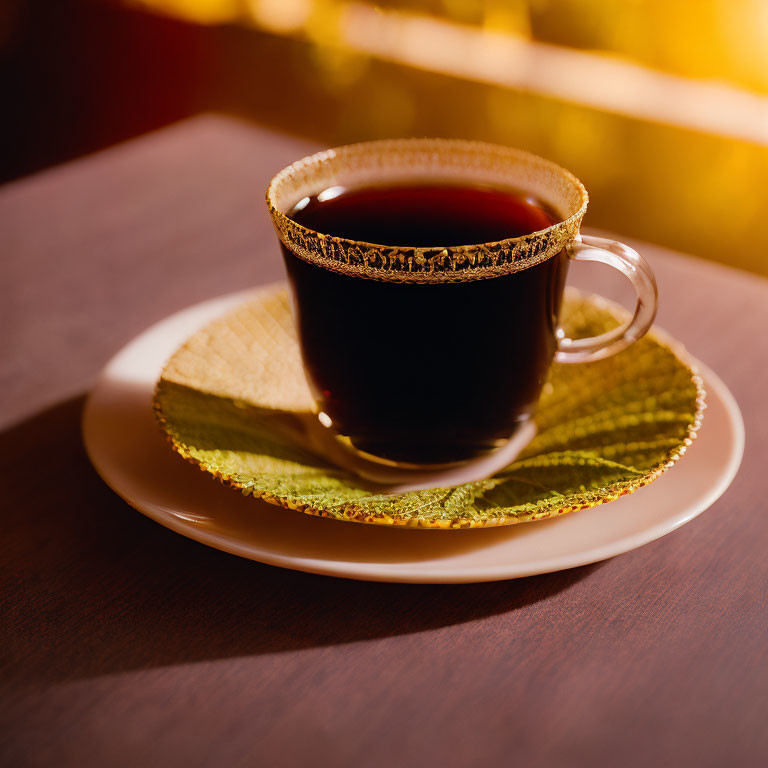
(631, 264)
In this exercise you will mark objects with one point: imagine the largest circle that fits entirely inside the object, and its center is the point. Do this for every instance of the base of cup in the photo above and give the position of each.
(390, 476)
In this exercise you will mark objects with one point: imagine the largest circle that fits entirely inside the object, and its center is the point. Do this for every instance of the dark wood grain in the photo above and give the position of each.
(124, 644)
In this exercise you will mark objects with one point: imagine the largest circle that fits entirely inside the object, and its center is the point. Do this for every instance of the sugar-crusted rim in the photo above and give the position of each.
(372, 162)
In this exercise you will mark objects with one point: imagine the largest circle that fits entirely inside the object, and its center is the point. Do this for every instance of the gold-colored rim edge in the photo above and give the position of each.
(425, 264)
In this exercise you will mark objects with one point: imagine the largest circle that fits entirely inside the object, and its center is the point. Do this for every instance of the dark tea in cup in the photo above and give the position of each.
(426, 372)
(427, 280)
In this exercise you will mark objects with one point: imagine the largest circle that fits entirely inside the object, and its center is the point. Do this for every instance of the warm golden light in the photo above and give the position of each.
(490, 53)
(280, 16)
(585, 78)
(200, 11)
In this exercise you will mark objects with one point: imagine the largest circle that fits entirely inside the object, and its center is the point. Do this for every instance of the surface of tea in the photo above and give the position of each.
(426, 372)
(422, 215)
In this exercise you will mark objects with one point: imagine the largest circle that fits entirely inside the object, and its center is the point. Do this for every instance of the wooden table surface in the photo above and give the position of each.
(124, 644)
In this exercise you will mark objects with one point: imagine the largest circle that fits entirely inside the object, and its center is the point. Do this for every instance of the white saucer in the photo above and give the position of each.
(133, 457)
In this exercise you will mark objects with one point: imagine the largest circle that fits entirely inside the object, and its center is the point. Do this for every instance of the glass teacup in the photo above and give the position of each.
(423, 350)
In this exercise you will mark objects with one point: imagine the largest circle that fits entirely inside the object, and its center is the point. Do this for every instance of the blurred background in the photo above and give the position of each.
(659, 106)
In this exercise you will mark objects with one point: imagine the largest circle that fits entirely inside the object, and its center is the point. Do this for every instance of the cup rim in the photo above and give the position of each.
(437, 263)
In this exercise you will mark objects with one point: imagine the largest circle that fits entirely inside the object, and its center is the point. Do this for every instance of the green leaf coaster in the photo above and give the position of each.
(231, 399)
